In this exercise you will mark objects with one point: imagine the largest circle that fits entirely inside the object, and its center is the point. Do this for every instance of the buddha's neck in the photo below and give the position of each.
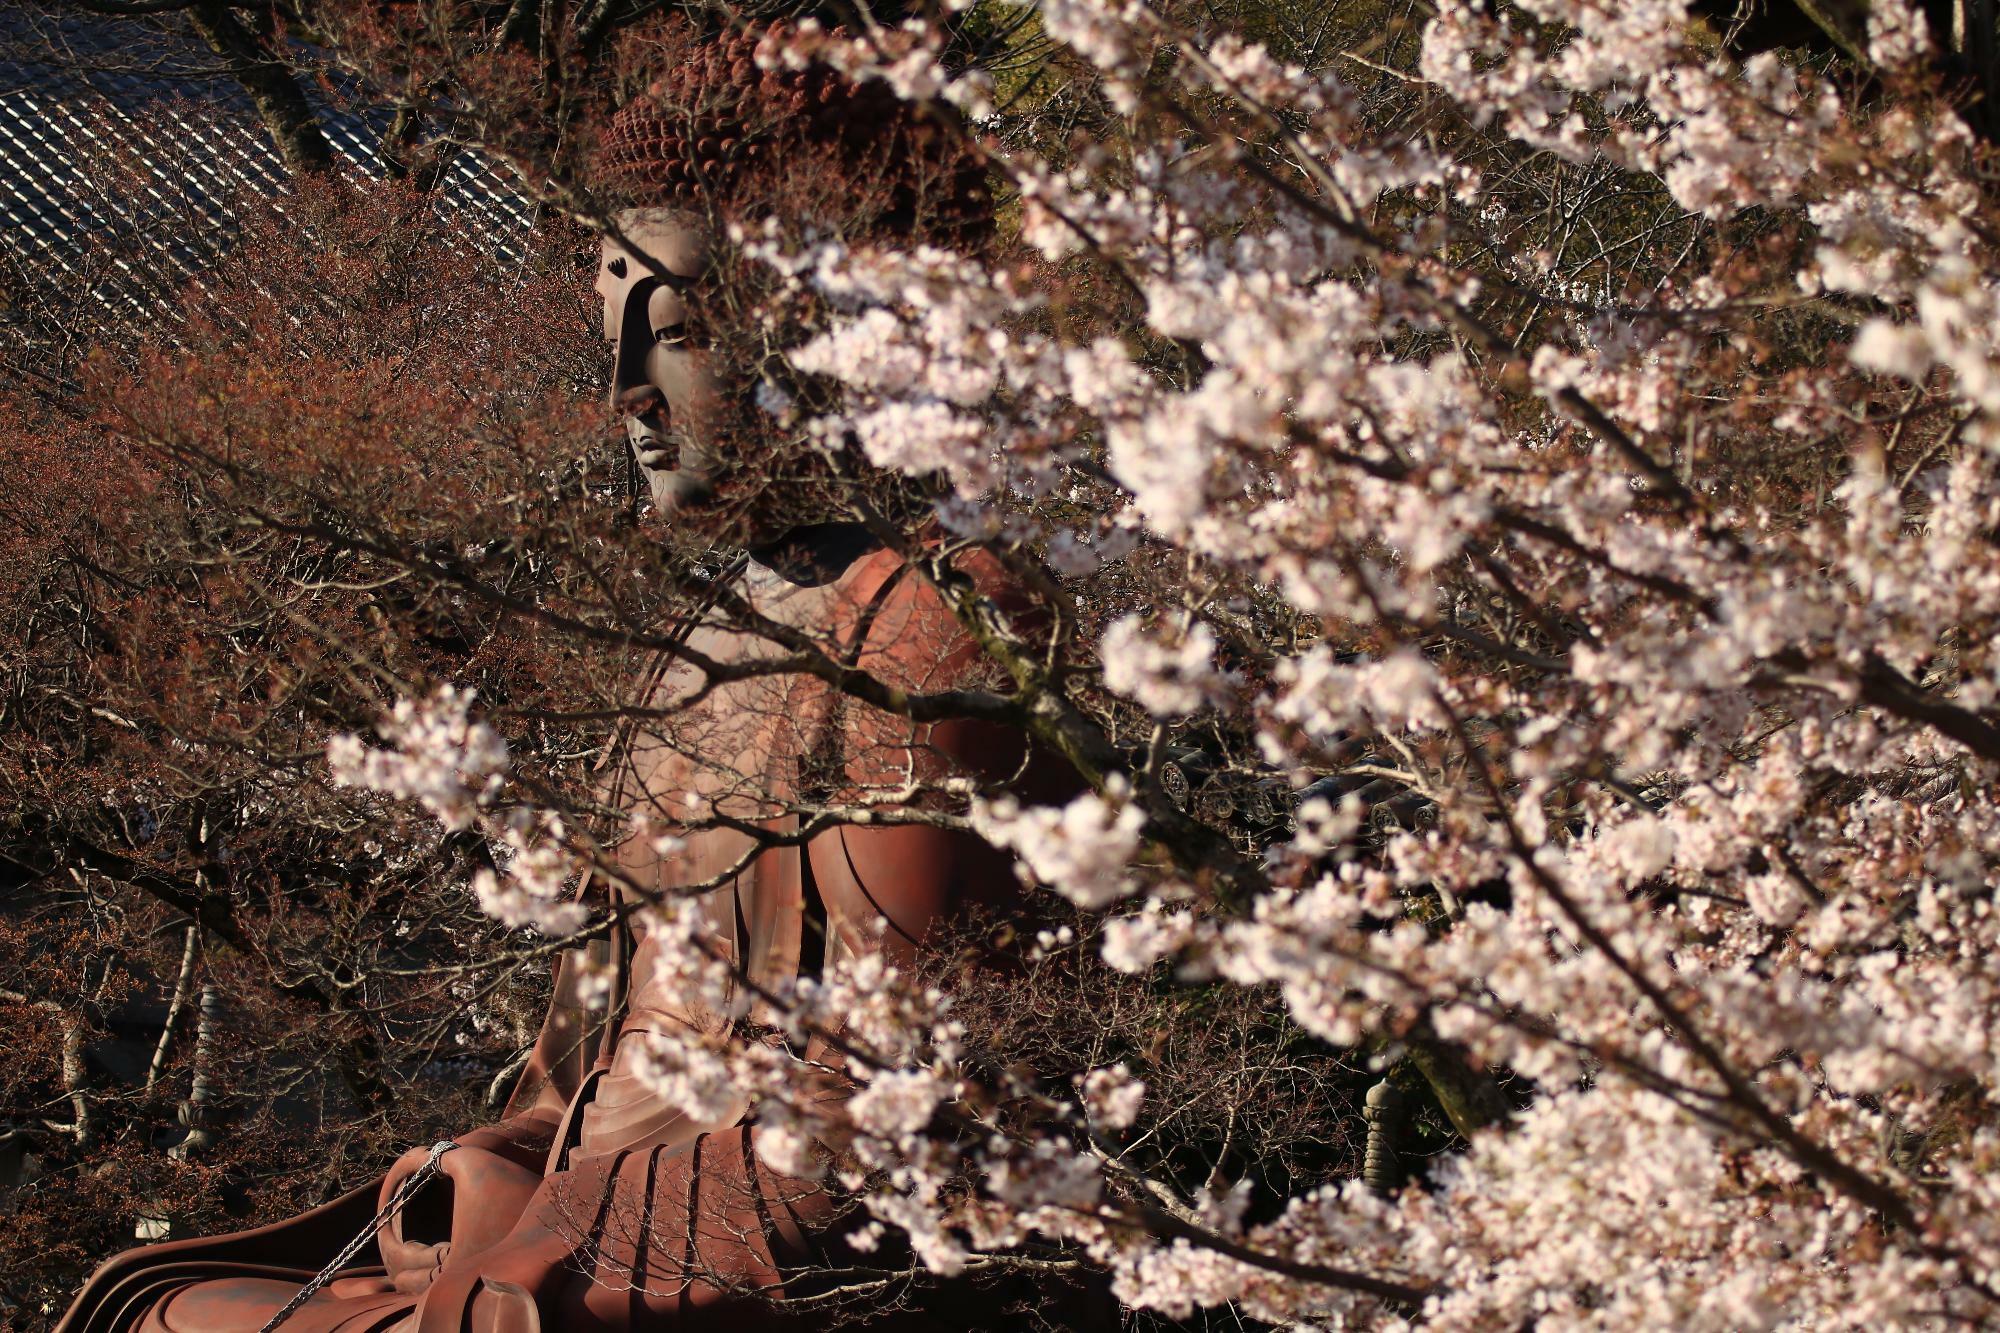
(817, 554)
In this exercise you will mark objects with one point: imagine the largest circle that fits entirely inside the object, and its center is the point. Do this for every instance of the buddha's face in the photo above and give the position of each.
(664, 388)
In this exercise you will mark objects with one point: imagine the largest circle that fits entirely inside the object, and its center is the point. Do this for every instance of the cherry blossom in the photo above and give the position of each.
(435, 754)
(1167, 678)
(1082, 849)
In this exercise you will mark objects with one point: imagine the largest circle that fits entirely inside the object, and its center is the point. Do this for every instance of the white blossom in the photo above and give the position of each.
(434, 753)
(1168, 678)
(1082, 850)
(686, 1073)
(1114, 1096)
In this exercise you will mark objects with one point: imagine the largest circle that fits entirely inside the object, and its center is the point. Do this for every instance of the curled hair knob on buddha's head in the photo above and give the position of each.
(714, 133)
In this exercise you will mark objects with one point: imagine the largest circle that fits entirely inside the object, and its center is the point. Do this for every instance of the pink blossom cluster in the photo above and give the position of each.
(1083, 849)
(435, 753)
(1166, 677)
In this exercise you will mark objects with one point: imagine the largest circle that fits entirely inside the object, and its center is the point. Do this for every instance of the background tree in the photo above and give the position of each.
(190, 904)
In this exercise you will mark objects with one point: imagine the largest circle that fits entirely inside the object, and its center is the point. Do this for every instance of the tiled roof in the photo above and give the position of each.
(85, 99)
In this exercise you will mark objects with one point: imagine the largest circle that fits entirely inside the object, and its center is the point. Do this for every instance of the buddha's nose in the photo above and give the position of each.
(640, 400)
(677, 474)
(642, 413)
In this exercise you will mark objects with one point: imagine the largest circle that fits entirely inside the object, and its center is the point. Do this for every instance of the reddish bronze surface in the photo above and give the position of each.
(592, 1205)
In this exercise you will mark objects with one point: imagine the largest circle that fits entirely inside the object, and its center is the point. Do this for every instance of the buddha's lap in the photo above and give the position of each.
(245, 1304)
(651, 1236)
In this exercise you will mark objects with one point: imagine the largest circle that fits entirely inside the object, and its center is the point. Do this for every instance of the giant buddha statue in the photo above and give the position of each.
(593, 1204)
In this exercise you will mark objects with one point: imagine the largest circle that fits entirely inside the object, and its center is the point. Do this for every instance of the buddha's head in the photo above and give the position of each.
(716, 142)
(662, 384)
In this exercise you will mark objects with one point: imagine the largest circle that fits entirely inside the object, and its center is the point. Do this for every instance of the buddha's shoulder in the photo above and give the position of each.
(904, 620)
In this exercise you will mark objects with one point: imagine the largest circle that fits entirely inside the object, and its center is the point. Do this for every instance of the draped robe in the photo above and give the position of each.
(593, 1204)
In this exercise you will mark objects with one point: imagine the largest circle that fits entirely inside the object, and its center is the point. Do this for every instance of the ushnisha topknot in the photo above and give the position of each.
(713, 132)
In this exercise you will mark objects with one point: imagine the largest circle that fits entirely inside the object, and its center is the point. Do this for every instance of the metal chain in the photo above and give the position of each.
(411, 1184)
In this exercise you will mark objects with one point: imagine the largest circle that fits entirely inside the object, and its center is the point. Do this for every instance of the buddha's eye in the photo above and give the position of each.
(673, 335)
(615, 267)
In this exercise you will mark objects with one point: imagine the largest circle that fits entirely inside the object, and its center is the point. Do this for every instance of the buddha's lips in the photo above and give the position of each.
(655, 448)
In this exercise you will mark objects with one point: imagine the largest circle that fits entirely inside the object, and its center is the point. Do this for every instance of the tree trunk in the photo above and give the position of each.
(174, 1008)
(194, 1111)
(255, 57)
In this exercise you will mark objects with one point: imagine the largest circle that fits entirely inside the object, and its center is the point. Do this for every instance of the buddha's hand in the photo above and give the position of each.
(468, 1204)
